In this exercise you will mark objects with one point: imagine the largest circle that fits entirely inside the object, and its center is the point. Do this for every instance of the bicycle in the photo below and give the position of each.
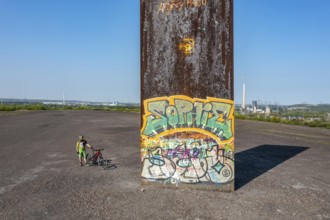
(97, 158)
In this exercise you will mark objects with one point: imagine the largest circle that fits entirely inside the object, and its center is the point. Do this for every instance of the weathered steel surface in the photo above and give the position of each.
(166, 70)
(187, 126)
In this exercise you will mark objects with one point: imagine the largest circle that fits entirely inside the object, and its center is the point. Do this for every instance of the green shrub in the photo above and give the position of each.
(278, 119)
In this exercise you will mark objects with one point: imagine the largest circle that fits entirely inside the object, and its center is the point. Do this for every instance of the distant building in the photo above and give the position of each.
(267, 111)
(53, 103)
(255, 104)
(297, 108)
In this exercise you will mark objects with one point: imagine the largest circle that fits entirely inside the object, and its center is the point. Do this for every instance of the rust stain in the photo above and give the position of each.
(202, 70)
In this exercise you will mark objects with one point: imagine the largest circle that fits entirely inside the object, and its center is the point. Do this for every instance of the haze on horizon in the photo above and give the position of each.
(90, 50)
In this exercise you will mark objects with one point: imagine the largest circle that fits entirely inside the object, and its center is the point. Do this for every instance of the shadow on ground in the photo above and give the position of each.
(106, 165)
(251, 163)
(110, 165)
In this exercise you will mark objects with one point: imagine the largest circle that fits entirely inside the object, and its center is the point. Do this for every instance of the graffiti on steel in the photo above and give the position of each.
(187, 46)
(187, 140)
(170, 5)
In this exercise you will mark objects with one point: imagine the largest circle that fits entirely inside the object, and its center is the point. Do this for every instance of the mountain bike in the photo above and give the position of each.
(97, 158)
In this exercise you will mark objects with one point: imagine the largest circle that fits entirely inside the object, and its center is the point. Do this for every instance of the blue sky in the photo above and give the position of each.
(282, 50)
(89, 49)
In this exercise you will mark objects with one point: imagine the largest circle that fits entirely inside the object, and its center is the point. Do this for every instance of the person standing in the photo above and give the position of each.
(81, 149)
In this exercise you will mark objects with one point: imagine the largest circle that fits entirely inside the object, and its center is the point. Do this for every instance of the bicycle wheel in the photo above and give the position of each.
(104, 163)
(89, 160)
(100, 160)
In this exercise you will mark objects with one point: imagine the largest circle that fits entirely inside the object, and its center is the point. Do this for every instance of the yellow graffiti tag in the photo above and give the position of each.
(164, 116)
(187, 46)
(169, 6)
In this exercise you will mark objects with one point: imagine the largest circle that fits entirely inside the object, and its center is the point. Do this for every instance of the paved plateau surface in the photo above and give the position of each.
(282, 172)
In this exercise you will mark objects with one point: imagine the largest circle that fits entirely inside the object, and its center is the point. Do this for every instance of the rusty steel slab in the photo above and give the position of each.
(187, 125)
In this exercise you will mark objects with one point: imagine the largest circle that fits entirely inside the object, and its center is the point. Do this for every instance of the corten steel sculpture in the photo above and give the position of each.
(187, 124)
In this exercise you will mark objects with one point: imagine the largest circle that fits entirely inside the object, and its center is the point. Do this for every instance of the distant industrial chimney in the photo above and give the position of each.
(243, 101)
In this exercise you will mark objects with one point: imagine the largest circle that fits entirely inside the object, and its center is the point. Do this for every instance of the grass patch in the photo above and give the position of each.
(34, 107)
(277, 119)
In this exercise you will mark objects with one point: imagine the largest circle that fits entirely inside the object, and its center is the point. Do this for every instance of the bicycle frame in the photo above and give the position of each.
(96, 155)
(97, 158)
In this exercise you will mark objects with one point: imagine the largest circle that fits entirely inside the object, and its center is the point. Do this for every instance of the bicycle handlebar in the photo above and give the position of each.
(97, 149)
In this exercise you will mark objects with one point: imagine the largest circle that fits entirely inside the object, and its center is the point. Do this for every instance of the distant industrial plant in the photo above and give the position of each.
(292, 114)
(64, 102)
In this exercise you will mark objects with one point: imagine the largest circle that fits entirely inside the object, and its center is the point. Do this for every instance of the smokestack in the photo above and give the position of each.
(243, 102)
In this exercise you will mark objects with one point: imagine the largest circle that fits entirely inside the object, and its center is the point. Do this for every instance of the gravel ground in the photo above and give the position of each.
(282, 172)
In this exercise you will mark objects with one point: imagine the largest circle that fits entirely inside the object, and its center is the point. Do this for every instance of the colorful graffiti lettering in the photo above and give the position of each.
(185, 140)
(171, 5)
(188, 161)
(179, 113)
